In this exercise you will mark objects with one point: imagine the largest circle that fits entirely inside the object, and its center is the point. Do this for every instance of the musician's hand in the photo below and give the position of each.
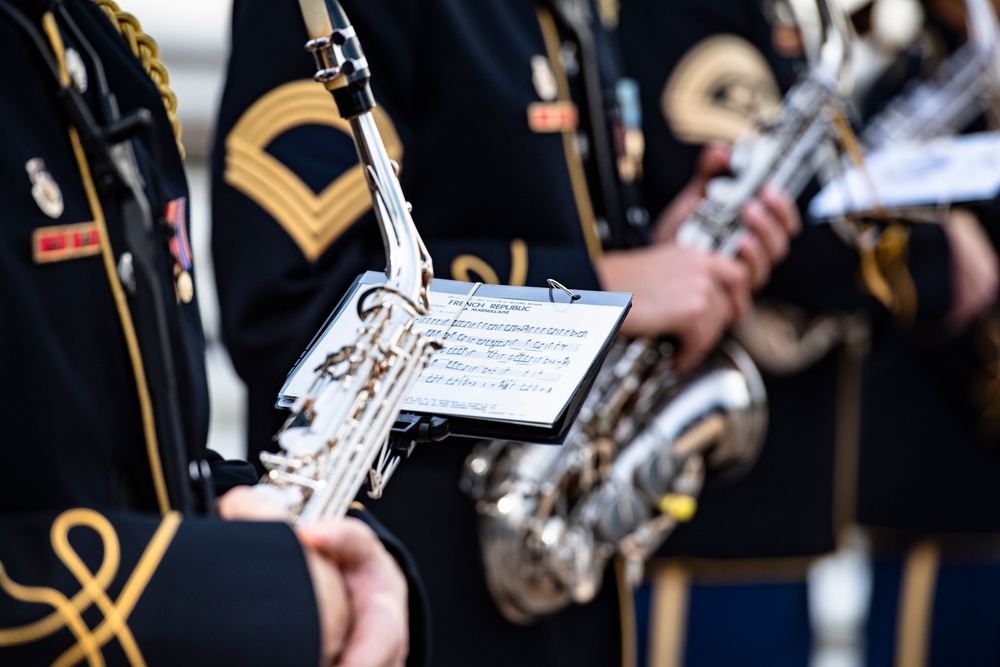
(686, 293)
(974, 270)
(713, 161)
(333, 604)
(379, 634)
(772, 219)
(245, 503)
(249, 503)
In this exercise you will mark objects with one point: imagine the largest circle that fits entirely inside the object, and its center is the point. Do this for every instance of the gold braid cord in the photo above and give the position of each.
(147, 51)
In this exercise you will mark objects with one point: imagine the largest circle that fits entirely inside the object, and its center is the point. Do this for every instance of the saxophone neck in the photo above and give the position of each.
(409, 269)
(981, 26)
(340, 63)
(343, 69)
(833, 66)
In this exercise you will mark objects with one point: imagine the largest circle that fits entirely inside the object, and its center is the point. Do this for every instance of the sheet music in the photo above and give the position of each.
(943, 171)
(515, 360)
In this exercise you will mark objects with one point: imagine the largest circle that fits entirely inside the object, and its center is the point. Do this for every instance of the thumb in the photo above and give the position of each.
(349, 541)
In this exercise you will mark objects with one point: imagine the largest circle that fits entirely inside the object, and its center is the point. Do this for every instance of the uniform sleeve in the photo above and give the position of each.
(135, 589)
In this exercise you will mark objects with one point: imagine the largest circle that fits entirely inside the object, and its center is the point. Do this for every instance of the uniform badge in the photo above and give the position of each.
(44, 188)
(543, 78)
(553, 117)
(62, 242)
(77, 70)
(630, 143)
(176, 217)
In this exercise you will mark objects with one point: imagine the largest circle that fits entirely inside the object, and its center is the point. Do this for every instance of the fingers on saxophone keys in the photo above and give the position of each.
(771, 220)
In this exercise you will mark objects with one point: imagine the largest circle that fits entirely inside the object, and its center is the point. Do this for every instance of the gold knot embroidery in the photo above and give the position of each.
(94, 586)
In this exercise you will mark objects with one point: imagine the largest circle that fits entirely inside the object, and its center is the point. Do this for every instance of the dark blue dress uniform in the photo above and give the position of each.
(930, 463)
(107, 555)
(503, 118)
(731, 586)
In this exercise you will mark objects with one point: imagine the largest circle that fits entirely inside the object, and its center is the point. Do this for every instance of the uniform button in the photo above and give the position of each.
(126, 273)
(637, 216)
(567, 53)
(603, 229)
(583, 145)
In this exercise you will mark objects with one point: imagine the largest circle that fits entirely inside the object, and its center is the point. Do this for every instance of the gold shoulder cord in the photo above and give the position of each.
(884, 270)
(147, 51)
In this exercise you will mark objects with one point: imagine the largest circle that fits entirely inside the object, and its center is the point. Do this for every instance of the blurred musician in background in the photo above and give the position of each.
(930, 449)
(731, 587)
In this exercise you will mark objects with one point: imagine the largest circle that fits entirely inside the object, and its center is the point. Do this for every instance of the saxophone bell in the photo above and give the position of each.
(551, 517)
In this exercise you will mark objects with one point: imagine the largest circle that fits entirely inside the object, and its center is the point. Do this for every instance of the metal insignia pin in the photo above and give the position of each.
(543, 78)
(44, 188)
(77, 70)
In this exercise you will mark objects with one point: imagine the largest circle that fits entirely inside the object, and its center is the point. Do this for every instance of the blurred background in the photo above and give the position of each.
(193, 37)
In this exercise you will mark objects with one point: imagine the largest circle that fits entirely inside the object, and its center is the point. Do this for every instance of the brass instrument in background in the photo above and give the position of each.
(963, 86)
(331, 441)
(635, 460)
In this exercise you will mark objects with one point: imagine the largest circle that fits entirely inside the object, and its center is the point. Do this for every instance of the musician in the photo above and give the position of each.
(114, 546)
(746, 557)
(520, 152)
(929, 459)
(730, 587)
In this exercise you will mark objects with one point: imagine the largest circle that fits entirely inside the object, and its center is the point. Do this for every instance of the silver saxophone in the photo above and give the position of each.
(336, 436)
(635, 459)
(961, 88)
(783, 339)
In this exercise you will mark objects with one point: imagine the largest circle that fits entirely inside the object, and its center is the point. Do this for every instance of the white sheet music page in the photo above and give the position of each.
(517, 360)
(950, 170)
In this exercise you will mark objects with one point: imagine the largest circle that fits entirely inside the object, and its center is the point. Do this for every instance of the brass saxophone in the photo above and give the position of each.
(636, 457)
(337, 434)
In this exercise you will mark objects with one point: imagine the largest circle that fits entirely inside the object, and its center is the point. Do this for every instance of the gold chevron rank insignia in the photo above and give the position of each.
(720, 86)
(314, 220)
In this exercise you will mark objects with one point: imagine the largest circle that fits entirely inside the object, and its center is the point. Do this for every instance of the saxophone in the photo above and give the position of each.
(635, 460)
(337, 434)
(958, 91)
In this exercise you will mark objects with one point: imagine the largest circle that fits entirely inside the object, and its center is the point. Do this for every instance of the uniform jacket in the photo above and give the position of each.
(107, 550)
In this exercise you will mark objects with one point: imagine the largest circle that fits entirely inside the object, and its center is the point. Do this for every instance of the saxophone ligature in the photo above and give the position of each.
(635, 459)
(337, 434)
